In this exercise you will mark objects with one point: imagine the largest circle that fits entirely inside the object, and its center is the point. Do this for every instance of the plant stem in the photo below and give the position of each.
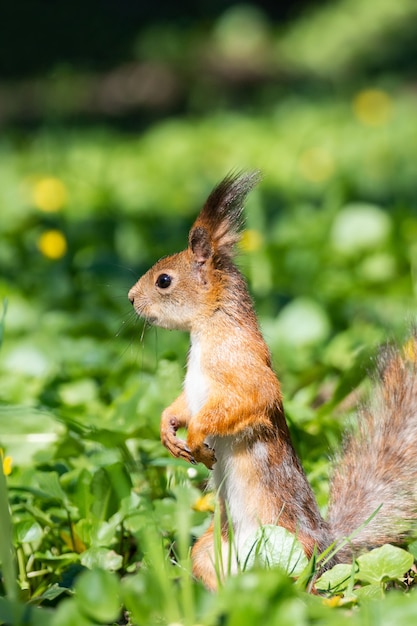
(6, 543)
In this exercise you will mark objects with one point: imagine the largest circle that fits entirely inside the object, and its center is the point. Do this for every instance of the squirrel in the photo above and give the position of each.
(232, 408)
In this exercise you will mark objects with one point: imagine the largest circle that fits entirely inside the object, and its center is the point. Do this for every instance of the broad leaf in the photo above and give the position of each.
(385, 563)
(335, 579)
(273, 545)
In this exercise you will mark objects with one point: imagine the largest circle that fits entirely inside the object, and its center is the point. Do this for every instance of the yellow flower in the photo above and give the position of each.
(7, 463)
(205, 503)
(52, 244)
(49, 194)
(332, 602)
(372, 107)
(251, 240)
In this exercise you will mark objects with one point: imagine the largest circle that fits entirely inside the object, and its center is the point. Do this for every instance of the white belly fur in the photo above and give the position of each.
(227, 481)
(233, 489)
(196, 384)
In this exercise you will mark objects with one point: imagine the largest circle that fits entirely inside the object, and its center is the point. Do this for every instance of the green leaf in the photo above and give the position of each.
(25, 431)
(49, 483)
(120, 480)
(359, 226)
(336, 579)
(83, 497)
(69, 613)
(105, 502)
(385, 563)
(103, 558)
(109, 486)
(370, 592)
(274, 545)
(78, 392)
(97, 533)
(9, 610)
(53, 592)
(302, 322)
(28, 531)
(97, 593)
(412, 547)
(251, 598)
(138, 598)
(17, 614)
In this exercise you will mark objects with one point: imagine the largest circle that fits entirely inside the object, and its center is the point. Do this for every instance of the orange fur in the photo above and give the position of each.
(232, 408)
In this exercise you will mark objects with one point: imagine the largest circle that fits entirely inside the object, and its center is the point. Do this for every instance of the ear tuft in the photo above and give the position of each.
(220, 218)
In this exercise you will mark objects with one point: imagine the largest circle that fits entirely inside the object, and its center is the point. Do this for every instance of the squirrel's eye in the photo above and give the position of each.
(163, 281)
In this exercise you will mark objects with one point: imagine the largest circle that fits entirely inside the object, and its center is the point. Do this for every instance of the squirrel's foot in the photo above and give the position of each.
(206, 455)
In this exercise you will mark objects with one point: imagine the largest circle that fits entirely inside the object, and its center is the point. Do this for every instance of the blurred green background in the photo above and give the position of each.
(117, 119)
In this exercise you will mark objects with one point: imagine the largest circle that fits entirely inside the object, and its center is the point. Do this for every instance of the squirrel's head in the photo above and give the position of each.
(182, 290)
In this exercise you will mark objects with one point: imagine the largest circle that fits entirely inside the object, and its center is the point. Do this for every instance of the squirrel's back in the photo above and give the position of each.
(376, 473)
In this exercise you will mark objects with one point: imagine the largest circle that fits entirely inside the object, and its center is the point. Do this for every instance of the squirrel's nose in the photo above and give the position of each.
(131, 297)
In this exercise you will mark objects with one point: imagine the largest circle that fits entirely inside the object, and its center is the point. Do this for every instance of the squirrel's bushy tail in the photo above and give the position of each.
(377, 470)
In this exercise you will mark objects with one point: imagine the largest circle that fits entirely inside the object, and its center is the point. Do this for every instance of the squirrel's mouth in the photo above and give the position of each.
(149, 319)
(141, 312)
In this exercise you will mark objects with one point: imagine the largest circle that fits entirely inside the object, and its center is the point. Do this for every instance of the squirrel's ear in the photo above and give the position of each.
(216, 230)
(199, 242)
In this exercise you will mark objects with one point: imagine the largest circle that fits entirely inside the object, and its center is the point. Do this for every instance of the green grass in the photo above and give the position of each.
(101, 518)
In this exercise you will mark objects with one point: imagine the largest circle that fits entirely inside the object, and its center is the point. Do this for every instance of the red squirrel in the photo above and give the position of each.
(232, 409)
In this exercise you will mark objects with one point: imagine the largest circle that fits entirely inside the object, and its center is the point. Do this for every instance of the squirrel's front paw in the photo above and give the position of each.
(205, 455)
(177, 447)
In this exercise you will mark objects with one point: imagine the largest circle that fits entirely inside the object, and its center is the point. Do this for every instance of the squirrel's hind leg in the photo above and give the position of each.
(212, 559)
